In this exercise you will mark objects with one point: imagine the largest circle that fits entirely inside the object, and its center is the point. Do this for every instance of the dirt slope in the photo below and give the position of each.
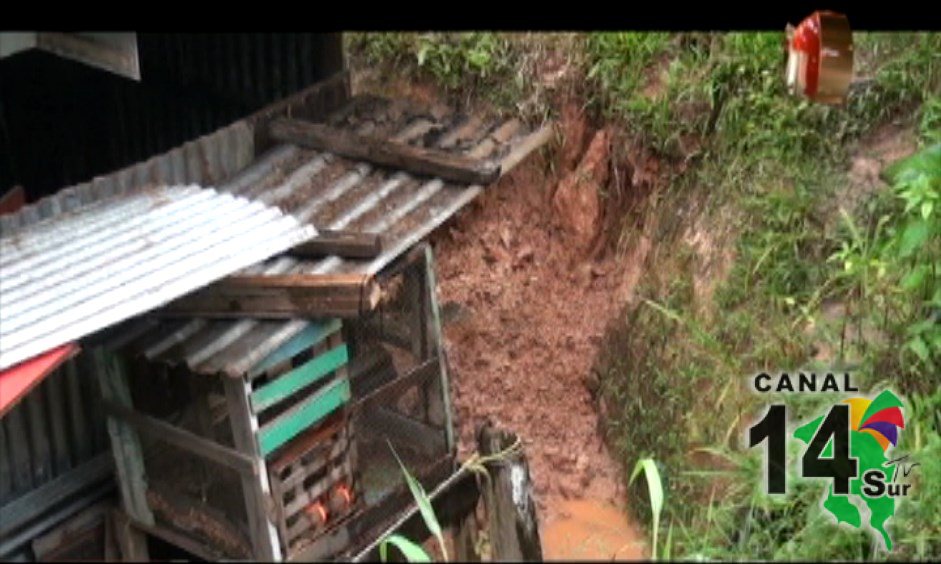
(525, 313)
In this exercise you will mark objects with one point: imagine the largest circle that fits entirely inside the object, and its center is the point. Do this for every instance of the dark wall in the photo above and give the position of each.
(63, 122)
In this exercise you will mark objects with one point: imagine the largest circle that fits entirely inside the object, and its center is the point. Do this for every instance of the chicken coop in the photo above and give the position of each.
(268, 413)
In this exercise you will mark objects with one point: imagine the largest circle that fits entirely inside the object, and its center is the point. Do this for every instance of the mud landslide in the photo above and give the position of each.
(524, 313)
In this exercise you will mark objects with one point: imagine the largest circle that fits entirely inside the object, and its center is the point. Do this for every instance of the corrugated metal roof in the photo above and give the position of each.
(76, 273)
(335, 193)
(207, 160)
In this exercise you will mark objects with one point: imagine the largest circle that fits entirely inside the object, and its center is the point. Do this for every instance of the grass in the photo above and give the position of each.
(774, 160)
(764, 167)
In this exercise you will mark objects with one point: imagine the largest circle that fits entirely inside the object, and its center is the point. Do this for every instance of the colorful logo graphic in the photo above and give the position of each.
(873, 426)
(851, 445)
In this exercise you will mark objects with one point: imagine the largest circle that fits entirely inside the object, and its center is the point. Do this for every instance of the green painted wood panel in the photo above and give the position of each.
(290, 424)
(310, 336)
(301, 377)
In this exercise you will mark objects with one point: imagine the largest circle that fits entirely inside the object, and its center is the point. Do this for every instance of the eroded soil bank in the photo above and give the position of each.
(525, 309)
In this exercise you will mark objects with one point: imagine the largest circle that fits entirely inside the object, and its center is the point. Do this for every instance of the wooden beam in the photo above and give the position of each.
(286, 385)
(255, 489)
(302, 416)
(282, 296)
(132, 543)
(508, 497)
(416, 160)
(182, 439)
(346, 244)
(388, 392)
(125, 442)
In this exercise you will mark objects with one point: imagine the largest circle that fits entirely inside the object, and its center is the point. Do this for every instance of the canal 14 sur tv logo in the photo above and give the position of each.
(851, 443)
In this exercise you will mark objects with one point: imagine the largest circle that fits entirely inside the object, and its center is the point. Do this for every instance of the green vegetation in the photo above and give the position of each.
(480, 63)
(820, 269)
(655, 489)
(775, 164)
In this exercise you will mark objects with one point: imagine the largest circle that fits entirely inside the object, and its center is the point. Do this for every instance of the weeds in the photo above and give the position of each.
(669, 366)
(655, 489)
(776, 159)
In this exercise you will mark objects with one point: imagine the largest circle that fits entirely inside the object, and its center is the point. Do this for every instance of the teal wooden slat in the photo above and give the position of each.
(310, 336)
(286, 385)
(290, 424)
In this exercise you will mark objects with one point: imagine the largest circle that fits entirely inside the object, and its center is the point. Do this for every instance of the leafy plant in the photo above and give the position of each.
(655, 488)
(412, 551)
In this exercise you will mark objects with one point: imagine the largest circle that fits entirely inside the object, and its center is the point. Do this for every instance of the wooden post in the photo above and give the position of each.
(132, 543)
(415, 291)
(281, 296)
(451, 167)
(256, 489)
(511, 510)
(465, 539)
(439, 406)
(346, 244)
(125, 442)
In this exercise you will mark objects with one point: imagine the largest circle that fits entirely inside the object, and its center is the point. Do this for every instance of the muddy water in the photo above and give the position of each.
(591, 530)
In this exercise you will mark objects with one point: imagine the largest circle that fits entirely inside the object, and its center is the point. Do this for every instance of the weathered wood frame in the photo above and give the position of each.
(244, 401)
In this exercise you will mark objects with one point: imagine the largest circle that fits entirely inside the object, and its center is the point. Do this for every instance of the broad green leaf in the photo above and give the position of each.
(424, 504)
(919, 347)
(926, 208)
(927, 161)
(412, 551)
(915, 278)
(914, 236)
(655, 490)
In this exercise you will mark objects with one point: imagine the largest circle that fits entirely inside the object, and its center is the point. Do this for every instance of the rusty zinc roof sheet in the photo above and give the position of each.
(336, 193)
(74, 273)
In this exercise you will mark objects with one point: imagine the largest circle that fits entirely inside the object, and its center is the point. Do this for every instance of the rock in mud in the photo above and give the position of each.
(577, 200)
(575, 132)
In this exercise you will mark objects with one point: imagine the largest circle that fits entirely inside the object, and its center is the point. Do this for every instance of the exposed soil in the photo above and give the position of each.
(527, 316)
(525, 305)
(883, 146)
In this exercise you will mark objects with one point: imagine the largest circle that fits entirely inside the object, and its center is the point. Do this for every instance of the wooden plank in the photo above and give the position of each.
(287, 296)
(307, 442)
(255, 489)
(508, 497)
(310, 336)
(309, 495)
(332, 451)
(291, 423)
(440, 410)
(299, 378)
(315, 102)
(132, 543)
(416, 160)
(125, 444)
(386, 394)
(346, 244)
(529, 144)
(40, 500)
(182, 438)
